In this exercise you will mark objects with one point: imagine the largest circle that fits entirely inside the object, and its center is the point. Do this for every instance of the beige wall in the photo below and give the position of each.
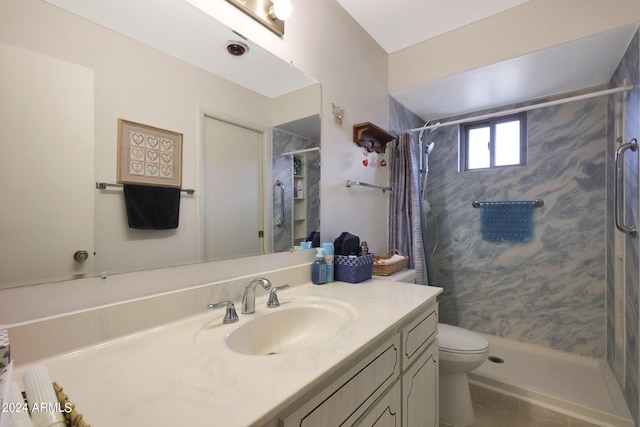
(533, 26)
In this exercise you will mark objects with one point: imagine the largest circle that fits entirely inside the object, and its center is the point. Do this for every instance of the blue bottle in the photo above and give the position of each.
(329, 252)
(319, 268)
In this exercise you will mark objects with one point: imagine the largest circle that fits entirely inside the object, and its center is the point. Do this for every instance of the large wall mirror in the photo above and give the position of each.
(69, 74)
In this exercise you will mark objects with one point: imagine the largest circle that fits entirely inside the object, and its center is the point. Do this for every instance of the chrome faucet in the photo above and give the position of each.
(249, 296)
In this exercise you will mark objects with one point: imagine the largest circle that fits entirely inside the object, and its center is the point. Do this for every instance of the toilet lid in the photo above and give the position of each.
(458, 340)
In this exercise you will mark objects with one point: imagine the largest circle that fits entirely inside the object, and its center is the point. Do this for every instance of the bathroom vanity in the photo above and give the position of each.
(338, 354)
(395, 383)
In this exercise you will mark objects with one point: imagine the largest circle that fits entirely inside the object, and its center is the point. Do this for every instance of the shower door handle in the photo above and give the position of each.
(281, 220)
(619, 187)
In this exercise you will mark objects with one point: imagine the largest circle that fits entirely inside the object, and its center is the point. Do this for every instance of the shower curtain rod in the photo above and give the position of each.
(306, 150)
(527, 108)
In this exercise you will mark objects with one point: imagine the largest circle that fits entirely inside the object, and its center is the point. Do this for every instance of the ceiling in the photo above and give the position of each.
(572, 66)
(196, 38)
(580, 64)
(420, 19)
(583, 63)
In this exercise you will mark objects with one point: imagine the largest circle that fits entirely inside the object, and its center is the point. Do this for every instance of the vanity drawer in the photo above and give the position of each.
(349, 396)
(417, 335)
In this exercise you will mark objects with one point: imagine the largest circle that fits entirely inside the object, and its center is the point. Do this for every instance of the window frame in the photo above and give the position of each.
(492, 123)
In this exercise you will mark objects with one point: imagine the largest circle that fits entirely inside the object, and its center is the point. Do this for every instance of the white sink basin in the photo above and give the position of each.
(296, 325)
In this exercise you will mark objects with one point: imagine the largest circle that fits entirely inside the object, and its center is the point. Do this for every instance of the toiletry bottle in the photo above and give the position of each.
(329, 252)
(364, 248)
(319, 269)
(300, 189)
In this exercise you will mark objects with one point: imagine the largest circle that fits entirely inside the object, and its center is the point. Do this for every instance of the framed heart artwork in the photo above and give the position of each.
(148, 155)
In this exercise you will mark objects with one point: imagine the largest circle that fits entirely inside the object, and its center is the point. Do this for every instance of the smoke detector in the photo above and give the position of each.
(237, 48)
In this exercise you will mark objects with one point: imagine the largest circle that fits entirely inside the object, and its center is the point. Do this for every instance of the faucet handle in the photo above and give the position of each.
(230, 316)
(273, 296)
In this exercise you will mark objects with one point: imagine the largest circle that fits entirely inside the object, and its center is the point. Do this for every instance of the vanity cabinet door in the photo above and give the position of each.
(420, 390)
(386, 412)
(417, 335)
(347, 398)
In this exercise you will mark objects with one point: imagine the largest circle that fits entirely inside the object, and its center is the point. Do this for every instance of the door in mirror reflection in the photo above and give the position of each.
(233, 180)
(46, 167)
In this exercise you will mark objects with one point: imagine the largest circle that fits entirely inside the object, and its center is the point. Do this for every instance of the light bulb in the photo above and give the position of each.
(281, 9)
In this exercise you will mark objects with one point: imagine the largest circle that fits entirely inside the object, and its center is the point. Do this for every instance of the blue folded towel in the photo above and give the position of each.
(506, 221)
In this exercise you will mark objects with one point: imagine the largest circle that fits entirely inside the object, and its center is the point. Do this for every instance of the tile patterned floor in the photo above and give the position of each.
(498, 410)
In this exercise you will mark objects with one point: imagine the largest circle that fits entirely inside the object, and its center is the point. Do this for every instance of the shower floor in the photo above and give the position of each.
(578, 386)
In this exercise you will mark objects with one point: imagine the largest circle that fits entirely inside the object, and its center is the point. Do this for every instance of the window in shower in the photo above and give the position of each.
(494, 143)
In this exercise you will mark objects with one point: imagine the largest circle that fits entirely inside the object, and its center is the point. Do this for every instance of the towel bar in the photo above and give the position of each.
(280, 185)
(349, 183)
(104, 185)
(538, 203)
(619, 188)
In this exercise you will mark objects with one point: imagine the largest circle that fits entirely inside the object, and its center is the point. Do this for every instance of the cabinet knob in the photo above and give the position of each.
(81, 256)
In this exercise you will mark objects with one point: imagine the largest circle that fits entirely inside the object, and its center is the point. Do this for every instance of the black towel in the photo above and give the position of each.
(152, 208)
(347, 244)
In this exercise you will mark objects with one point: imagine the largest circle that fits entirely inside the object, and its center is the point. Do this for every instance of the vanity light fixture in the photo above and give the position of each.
(270, 13)
(280, 9)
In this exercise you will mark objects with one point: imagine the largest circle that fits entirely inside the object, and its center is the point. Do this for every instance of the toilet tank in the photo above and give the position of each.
(406, 275)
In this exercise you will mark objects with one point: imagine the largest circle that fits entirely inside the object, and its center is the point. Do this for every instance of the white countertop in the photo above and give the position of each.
(160, 377)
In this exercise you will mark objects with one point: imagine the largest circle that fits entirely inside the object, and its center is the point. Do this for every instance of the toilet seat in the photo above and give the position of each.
(455, 340)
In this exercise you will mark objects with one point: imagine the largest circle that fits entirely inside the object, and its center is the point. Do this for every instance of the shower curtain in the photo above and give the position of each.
(405, 228)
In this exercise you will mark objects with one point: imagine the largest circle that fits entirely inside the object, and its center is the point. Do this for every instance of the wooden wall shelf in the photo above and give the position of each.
(371, 137)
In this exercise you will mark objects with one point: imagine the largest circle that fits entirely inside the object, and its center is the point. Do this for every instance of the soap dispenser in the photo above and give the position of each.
(319, 268)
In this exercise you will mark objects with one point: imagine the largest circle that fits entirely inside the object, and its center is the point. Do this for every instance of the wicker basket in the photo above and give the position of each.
(387, 269)
(72, 417)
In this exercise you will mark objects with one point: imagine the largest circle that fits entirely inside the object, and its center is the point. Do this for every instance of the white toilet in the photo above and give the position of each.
(460, 351)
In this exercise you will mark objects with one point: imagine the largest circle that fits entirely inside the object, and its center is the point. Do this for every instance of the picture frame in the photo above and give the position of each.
(148, 155)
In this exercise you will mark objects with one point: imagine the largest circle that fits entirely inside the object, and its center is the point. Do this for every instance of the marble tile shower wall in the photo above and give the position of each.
(551, 290)
(629, 71)
(401, 119)
(284, 142)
